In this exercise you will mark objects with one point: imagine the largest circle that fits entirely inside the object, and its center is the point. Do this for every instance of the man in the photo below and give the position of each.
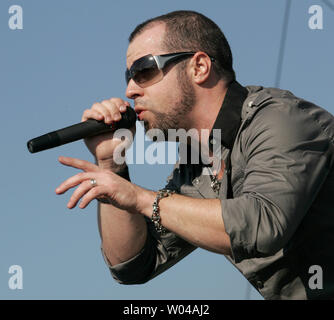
(268, 207)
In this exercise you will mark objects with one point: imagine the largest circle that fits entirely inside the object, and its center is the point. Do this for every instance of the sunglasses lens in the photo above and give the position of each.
(147, 76)
(144, 72)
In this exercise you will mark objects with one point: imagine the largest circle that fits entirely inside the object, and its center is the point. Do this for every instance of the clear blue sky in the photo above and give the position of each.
(71, 54)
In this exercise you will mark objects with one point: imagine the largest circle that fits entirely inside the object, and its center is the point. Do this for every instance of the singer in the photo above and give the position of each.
(268, 207)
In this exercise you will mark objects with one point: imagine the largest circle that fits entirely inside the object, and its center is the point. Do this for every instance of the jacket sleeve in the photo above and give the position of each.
(159, 253)
(287, 154)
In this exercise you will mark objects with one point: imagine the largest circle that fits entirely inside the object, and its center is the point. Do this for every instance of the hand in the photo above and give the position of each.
(103, 146)
(118, 191)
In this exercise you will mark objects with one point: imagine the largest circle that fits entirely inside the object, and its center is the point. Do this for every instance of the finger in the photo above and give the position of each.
(119, 102)
(74, 181)
(79, 192)
(123, 107)
(113, 109)
(79, 164)
(92, 194)
(99, 107)
(92, 114)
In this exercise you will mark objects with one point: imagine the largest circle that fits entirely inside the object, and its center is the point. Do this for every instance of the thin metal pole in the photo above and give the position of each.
(329, 5)
(282, 44)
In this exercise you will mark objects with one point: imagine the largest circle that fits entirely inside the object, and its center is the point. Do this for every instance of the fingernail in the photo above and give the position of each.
(122, 108)
(117, 117)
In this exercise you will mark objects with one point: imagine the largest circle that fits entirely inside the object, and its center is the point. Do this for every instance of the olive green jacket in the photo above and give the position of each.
(277, 196)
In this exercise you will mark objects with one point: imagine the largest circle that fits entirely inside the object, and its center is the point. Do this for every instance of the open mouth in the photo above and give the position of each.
(139, 112)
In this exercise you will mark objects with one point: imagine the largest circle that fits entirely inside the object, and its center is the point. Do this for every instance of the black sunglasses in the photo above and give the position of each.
(147, 70)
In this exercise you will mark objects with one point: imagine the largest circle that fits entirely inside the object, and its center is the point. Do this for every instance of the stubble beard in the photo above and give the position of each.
(176, 117)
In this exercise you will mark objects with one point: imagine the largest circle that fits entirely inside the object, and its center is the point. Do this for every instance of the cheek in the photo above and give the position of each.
(165, 94)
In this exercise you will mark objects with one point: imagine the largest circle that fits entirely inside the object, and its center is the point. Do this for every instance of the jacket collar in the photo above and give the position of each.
(228, 120)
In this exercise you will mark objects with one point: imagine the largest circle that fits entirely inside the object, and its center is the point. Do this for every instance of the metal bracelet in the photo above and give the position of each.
(156, 219)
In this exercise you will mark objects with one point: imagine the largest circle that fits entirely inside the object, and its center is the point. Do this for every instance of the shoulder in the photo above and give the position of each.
(282, 113)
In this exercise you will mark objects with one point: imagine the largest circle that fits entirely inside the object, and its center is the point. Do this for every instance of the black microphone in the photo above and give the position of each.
(79, 131)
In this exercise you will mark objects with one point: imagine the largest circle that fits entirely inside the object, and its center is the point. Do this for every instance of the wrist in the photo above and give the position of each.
(145, 202)
(109, 164)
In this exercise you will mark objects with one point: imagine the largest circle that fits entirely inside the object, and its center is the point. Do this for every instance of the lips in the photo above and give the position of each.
(139, 112)
(140, 115)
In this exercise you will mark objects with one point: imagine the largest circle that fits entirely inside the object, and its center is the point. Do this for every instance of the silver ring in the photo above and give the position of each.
(93, 183)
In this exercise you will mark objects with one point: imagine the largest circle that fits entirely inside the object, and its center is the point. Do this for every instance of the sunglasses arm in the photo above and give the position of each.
(163, 59)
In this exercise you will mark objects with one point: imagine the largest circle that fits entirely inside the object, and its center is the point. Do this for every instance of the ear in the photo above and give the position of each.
(201, 66)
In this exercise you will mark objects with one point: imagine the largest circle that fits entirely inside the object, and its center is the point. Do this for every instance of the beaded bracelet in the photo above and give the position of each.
(156, 219)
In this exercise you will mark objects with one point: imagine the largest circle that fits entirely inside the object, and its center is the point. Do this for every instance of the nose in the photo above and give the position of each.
(133, 90)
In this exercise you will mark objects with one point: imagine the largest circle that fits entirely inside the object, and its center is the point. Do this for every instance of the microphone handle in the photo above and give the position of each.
(79, 131)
